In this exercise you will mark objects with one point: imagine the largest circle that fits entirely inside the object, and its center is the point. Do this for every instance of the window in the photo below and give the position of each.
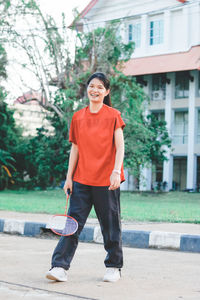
(158, 86)
(160, 116)
(182, 85)
(157, 176)
(134, 34)
(130, 32)
(180, 135)
(179, 173)
(156, 32)
(198, 128)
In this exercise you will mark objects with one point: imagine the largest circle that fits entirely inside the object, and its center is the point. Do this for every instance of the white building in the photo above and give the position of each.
(30, 115)
(166, 61)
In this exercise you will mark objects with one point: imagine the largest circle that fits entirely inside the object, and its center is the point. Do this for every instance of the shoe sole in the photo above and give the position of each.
(106, 280)
(51, 277)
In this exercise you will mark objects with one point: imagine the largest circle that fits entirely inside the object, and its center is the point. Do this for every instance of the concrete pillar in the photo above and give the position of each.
(144, 34)
(168, 165)
(128, 184)
(168, 172)
(145, 177)
(191, 157)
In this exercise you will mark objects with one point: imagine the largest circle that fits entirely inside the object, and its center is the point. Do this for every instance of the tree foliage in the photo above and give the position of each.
(42, 161)
(10, 139)
(9, 133)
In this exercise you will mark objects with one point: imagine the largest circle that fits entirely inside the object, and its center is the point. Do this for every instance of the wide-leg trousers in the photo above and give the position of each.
(107, 207)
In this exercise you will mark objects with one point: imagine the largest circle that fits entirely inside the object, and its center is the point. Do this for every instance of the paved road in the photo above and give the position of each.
(147, 274)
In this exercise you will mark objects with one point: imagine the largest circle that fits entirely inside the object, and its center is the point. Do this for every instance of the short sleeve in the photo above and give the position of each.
(72, 132)
(119, 122)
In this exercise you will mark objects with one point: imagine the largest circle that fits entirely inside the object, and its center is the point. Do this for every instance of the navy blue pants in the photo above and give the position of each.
(107, 207)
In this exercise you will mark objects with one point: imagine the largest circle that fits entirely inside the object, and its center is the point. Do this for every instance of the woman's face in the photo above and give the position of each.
(96, 91)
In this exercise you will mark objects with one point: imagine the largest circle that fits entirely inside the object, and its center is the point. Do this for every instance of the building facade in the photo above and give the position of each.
(29, 115)
(166, 61)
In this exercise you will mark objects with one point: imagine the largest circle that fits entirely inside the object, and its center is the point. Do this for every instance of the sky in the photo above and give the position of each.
(56, 7)
(13, 84)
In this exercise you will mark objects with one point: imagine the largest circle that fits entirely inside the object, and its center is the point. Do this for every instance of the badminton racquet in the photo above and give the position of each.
(63, 225)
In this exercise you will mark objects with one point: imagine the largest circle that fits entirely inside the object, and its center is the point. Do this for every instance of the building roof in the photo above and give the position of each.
(30, 97)
(88, 8)
(84, 12)
(92, 3)
(181, 61)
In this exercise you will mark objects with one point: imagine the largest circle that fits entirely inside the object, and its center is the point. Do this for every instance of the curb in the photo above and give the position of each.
(130, 238)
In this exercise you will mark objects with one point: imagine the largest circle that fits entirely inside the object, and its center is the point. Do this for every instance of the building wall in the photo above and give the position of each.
(163, 27)
(183, 121)
(181, 22)
(30, 117)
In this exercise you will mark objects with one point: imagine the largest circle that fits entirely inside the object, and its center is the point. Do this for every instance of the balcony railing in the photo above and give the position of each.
(179, 94)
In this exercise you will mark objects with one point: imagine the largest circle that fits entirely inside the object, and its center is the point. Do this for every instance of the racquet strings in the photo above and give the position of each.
(63, 225)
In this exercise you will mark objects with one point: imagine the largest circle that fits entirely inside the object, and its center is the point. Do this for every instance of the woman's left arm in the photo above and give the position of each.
(115, 177)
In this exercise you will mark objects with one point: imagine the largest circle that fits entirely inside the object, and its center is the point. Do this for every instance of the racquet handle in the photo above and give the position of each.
(68, 194)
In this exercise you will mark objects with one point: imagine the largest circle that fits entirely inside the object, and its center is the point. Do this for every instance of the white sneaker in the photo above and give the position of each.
(112, 275)
(58, 274)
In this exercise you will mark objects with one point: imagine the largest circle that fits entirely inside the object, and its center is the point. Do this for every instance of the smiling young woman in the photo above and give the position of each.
(94, 175)
(96, 94)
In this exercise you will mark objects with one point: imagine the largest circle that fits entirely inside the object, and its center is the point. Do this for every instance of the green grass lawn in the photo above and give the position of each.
(165, 207)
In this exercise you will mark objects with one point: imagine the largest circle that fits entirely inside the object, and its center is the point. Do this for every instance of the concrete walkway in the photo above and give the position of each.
(146, 275)
(176, 236)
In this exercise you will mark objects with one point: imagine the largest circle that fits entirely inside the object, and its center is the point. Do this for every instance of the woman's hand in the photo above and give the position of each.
(115, 180)
(68, 185)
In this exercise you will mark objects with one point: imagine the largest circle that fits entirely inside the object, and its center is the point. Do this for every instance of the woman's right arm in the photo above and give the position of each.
(73, 158)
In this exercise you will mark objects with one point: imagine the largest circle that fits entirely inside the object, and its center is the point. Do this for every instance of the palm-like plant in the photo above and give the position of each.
(6, 163)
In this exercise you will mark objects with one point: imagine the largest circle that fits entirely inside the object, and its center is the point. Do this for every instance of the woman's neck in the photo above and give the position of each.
(95, 107)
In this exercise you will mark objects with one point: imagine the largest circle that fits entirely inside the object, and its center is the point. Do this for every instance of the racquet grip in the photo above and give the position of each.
(68, 191)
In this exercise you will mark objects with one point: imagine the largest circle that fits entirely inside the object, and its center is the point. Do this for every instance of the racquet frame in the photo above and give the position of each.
(65, 215)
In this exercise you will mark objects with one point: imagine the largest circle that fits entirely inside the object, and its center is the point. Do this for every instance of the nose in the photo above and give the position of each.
(95, 89)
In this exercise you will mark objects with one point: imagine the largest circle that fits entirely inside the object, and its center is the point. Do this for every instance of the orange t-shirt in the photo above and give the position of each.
(93, 133)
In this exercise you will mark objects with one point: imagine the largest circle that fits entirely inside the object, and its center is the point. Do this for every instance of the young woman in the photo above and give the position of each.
(94, 175)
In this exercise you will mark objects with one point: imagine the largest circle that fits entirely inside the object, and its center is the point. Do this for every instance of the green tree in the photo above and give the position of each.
(9, 133)
(10, 139)
(3, 62)
(6, 166)
(42, 160)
